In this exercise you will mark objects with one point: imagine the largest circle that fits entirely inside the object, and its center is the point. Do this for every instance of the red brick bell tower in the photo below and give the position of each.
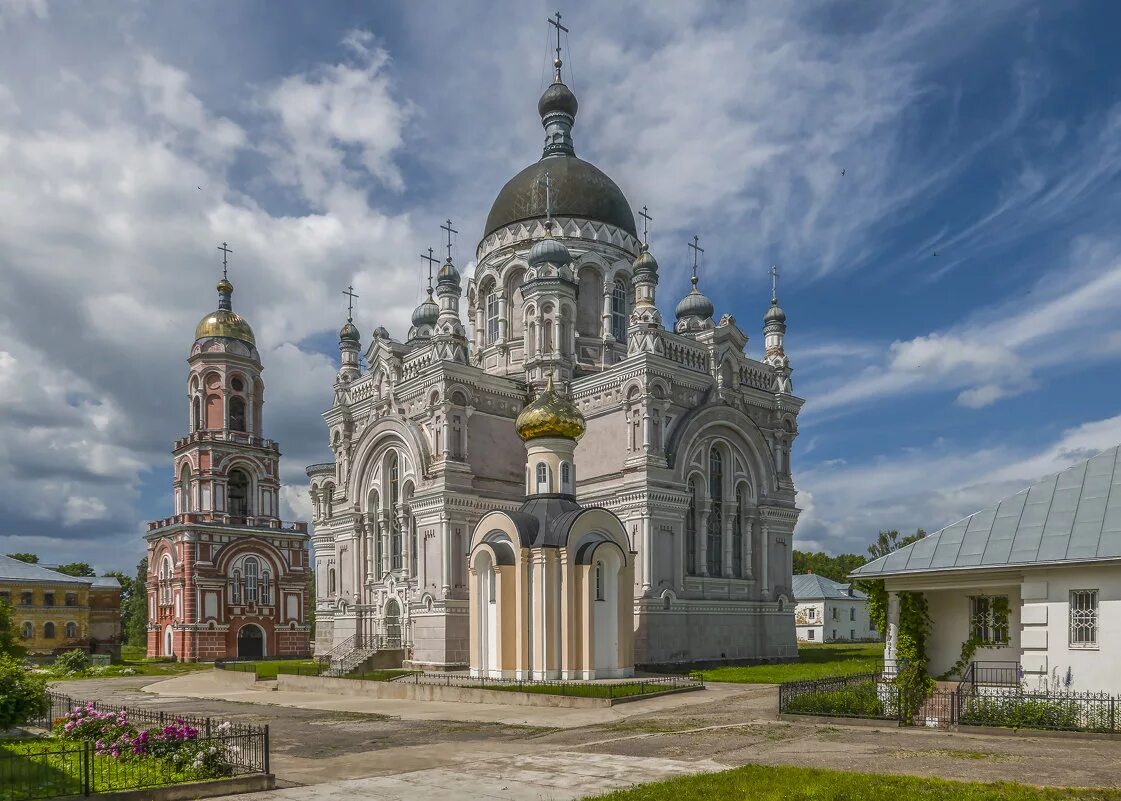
(226, 578)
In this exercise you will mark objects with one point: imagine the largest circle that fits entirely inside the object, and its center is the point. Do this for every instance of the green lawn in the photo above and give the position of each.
(814, 662)
(267, 669)
(763, 783)
(48, 767)
(135, 663)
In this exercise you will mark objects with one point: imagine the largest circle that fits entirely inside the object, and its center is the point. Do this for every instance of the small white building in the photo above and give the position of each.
(829, 611)
(1050, 556)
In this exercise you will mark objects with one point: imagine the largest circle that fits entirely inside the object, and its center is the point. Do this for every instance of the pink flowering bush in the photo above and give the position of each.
(88, 723)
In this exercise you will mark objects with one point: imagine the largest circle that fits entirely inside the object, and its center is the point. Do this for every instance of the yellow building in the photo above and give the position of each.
(53, 612)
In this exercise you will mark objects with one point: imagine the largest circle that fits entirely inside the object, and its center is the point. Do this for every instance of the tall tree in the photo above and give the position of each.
(30, 558)
(8, 643)
(134, 610)
(889, 541)
(80, 569)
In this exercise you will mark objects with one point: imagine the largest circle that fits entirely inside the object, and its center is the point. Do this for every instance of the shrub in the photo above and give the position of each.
(1024, 711)
(23, 694)
(857, 700)
(71, 663)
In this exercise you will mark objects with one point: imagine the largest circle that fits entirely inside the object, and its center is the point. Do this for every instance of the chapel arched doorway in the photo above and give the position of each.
(250, 642)
(393, 623)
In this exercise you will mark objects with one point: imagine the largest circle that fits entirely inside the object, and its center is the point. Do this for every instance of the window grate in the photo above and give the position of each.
(1084, 617)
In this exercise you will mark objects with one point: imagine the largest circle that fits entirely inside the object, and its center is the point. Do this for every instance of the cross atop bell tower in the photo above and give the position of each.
(556, 23)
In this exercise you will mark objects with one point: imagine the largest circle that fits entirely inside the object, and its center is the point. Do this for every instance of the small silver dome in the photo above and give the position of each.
(645, 263)
(694, 305)
(349, 332)
(774, 314)
(448, 275)
(548, 250)
(426, 313)
(381, 332)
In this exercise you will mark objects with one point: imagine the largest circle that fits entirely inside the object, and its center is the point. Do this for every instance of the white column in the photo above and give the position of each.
(891, 640)
(763, 553)
(607, 309)
(446, 553)
(647, 553)
(502, 317)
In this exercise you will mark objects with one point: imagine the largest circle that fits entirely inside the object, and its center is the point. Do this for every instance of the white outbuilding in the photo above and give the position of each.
(829, 611)
(1035, 580)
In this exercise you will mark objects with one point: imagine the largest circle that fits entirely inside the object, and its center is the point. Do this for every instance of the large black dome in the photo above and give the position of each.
(579, 189)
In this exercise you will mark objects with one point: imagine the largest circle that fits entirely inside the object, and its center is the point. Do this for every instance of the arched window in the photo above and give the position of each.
(492, 315)
(185, 491)
(737, 534)
(547, 345)
(542, 476)
(237, 488)
(165, 580)
(566, 476)
(196, 413)
(266, 588)
(331, 580)
(619, 311)
(691, 530)
(237, 413)
(71, 631)
(396, 540)
(599, 581)
(251, 568)
(27, 631)
(714, 542)
(48, 631)
(235, 587)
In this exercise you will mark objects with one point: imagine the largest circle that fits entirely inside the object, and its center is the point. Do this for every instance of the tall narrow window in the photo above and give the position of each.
(619, 311)
(737, 535)
(691, 530)
(237, 490)
(492, 316)
(542, 477)
(251, 580)
(235, 587)
(492, 584)
(331, 580)
(71, 631)
(266, 588)
(196, 414)
(599, 581)
(48, 631)
(1084, 618)
(989, 618)
(237, 413)
(457, 448)
(714, 542)
(566, 477)
(414, 542)
(547, 345)
(395, 535)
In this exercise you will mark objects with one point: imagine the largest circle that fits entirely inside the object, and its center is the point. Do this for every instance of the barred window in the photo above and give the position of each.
(1084, 618)
(988, 617)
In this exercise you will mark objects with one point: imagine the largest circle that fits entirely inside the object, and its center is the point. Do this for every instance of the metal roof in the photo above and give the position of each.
(15, 570)
(1071, 516)
(812, 587)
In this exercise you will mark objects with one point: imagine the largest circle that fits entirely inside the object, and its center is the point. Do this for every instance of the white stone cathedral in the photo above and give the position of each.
(688, 438)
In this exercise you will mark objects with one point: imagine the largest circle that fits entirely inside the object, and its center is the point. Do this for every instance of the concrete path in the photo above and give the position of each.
(553, 776)
(218, 685)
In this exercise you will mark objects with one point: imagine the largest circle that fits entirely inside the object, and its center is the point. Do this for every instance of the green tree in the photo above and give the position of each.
(134, 608)
(889, 541)
(7, 632)
(822, 564)
(80, 569)
(23, 694)
(30, 558)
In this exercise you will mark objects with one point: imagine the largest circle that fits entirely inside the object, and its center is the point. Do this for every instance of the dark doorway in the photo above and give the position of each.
(392, 624)
(250, 642)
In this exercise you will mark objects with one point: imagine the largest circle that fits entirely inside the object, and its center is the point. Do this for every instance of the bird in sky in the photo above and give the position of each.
(842, 172)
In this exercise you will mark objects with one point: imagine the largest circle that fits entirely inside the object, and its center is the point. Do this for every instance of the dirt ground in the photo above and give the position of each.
(311, 745)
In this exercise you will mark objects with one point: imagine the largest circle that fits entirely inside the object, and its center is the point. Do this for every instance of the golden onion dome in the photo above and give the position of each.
(223, 322)
(550, 415)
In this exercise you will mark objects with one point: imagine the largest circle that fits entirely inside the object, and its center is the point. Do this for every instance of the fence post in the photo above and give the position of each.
(86, 768)
(1112, 713)
(266, 748)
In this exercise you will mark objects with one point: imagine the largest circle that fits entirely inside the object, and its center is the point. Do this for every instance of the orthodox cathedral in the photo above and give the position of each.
(561, 484)
(226, 578)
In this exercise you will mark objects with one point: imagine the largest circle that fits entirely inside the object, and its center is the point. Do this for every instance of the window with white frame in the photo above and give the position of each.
(492, 316)
(811, 613)
(988, 618)
(811, 634)
(1084, 618)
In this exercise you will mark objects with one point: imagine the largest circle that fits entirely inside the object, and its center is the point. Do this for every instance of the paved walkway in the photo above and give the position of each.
(220, 685)
(552, 776)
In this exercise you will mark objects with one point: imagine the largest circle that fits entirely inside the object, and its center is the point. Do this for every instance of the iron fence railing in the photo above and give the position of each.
(52, 767)
(599, 689)
(863, 695)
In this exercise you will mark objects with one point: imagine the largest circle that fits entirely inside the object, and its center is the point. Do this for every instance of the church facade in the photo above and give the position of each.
(226, 578)
(687, 446)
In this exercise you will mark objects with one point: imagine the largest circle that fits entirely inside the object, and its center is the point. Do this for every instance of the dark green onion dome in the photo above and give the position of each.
(426, 313)
(694, 305)
(349, 332)
(448, 275)
(381, 333)
(548, 250)
(774, 314)
(645, 264)
(557, 98)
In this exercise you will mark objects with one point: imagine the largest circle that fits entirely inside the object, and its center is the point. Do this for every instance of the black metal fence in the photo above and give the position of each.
(985, 697)
(50, 767)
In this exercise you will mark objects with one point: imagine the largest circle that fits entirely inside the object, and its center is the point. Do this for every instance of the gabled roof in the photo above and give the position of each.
(812, 587)
(15, 570)
(1072, 516)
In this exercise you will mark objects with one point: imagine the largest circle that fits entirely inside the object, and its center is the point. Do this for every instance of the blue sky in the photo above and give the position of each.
(331, 139)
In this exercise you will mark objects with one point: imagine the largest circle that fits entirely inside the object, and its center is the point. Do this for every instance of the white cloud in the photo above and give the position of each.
(13, 10)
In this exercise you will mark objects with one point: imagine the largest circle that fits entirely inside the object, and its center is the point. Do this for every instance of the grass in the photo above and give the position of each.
(814, 662)
(267, 669)
(47, 767)
(858, 700)
(764, 783)
(134, 662)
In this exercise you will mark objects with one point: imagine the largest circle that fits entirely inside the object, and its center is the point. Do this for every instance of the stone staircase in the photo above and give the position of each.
(355, 652)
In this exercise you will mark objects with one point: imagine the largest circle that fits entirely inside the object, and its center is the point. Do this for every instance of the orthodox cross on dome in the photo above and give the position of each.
(774, 283)
(225, 252)
(448, 227)
(697, 251)
(646, 218)
(351, 295)
(556, 23)
(432, 260)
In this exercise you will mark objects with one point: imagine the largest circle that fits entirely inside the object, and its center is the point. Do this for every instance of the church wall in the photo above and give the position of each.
(703, 631)
(493, 448)
(603, 449)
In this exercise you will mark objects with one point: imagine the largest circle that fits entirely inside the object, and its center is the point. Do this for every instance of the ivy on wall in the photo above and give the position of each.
(996, 619)
(912, 679)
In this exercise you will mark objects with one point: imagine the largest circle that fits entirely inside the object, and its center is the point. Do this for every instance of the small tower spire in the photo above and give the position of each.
(351, 295)
(697, 251)
(774, 285)
(556, 23)
(431, 260)
(225, 288)
(448, 228)
(646, 219)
